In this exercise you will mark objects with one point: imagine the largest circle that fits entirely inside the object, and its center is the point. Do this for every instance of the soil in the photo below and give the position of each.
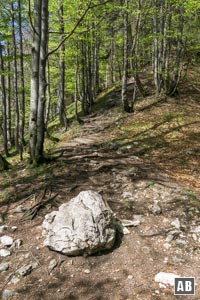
(136, 161)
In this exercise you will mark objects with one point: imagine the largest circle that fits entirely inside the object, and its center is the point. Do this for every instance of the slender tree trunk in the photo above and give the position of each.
(76, 88)
(15, 71)
(112, 58)
(96, 67)
(22, 75)
(156, 47)
(180, 49)
(61, 92)
(39, 157)
(125, 100)
(35, 65)
(84, 91)
(48, 104)
(4, 103)
(9, 121)
(135, 53)
(166, 47)
(88, 59)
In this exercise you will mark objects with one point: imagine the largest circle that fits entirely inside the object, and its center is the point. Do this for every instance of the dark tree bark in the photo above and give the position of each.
(15, 72)
(135, 53)
(48, 103)
(61, 90)
(180, 51)
(4, 102)
(84, 91)
(4, 165)
(39, 157)
(9, 109)
(126, 106)
(21, 52)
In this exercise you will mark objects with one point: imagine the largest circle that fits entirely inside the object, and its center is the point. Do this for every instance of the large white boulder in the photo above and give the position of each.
(84, 225)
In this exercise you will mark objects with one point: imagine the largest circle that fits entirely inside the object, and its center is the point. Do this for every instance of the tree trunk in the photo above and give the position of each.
(9, 121)
(4, 103)
(15, 71)
(38, 81)
(112, 58)
(61, 91)
(96, 84)
(84, 95)
(155, 53)
(48, 104)
(4, 165)
(21, 75)
(39, 157)
(180, 49)
(35, 80)
(125, 101)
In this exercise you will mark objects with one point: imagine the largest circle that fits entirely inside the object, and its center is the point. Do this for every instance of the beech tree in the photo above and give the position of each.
(38, 81)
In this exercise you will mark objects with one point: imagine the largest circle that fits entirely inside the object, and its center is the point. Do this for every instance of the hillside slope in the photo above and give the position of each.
(146, 165)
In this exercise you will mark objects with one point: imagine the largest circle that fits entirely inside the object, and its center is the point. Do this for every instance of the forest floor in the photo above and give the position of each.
(147, 166)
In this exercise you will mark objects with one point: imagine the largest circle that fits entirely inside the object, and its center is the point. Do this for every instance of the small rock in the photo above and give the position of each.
(125, 230)
(155, 208)
(52, 265)
(6, 240)
(194, 236)
(15, 280)
(87, 271)
(129, 147)
(165, 260)
(14, 228)
(169, 238)
(7, 294)
(25, 270)
(17, 244)
(166, 278)
(4, 267)
(180, 242)
(130, 277)
(4, 252)
(177, 260)
(20, 209)
(166, 246)
(34, 265)
(162, 286)
(130, 223)
(126, 195)
(176, 223)
(138, 218)
(197, 229)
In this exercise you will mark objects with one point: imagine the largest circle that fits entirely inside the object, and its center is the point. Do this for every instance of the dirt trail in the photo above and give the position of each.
(135, 188)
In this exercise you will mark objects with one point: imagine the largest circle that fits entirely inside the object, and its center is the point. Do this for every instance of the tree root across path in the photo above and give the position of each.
(41, 202)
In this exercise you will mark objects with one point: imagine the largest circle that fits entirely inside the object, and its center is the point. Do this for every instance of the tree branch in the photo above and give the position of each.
(31, 21)
(75, 26)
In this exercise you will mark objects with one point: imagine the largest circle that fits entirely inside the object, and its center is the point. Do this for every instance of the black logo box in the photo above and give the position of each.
(184, 286)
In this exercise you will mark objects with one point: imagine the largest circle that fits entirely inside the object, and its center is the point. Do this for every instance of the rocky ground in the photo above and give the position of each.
(143, 179)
